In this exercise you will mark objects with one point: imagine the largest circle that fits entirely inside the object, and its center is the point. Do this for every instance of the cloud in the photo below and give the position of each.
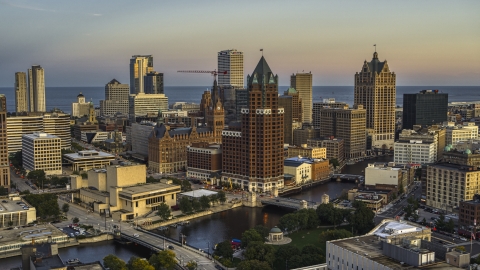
(26, 7)
(95, 14)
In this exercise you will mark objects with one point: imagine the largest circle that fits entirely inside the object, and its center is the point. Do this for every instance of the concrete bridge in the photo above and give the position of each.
(348, 177)
(289, 203)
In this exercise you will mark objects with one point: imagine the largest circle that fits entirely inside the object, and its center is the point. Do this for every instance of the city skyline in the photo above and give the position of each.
(428, 43)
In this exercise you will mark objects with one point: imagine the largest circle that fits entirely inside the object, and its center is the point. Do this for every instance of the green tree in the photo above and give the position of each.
(204, 202)
(460, 248)
(196, 205)
(222, 197)
(164, 211)
(191, 265)
(400, 189)
(262, 230)
(260, 251)
(249, 236)
(214, 198)
(25, 192)
(224, 249)
(185, 205)
(10, 223)
(75, 220)
(38, 177)
(165, 259)
(285, 252)
(253, 265)
(310, 220)
(112, 262)
(440, 224)
(330, 235)
(84, 175)
(450, 226)
(46, 204)
(424, 222)
(136, 263)
(150, 179)
(65, 208)
(3, 191)
(16, 159)
(362, 219)
(334, 162)
(288, 222)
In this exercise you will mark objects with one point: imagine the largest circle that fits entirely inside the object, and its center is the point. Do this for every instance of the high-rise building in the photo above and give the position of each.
(116, 99)
(375, 90)
(153, 83)
(42, 151)
(426, 108)
(302, 82)
(286, 102)
(80, 108)
(253, 149)
(241, 102)
(303, 134)
(140, 65)
(230, 61)
(36, 89)
(4, 164)
(21, 101)
(146, 104)
(327, 102)
(347, 124)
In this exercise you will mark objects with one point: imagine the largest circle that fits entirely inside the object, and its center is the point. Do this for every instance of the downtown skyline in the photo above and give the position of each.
(90, 43)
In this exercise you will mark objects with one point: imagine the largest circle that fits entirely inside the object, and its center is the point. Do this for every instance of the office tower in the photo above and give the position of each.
(347, 124)
(228, 95)
(286, 103)
(302, 82)
(21, 101)
(230, 61)
(4, 164)
(153, 83)
(42, 151)
(146, 104)
(327, 102)
(334, 146)
(241, 102)
(297, 104)
(36, 89)
(375, 90)
(253, 149)
(116, 99)
(80, 108)
(58, 124)
(426, 108)
(303, 134)
(140, 65)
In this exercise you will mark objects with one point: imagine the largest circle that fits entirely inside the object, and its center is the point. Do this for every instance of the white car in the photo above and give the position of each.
(136, 235)
(463, 238)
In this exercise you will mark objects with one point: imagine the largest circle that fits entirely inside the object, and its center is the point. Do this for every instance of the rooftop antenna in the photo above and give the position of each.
(375, 45)
(261, 51)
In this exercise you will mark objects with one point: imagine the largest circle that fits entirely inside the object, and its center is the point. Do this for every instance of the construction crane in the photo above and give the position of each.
(214, 73)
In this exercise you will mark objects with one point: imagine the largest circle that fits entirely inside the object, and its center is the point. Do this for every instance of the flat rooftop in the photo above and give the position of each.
(392, 228)
(89, 155)
(24, 234)
(11, 206)
(147, 188)
(450, 166)
(199, 193)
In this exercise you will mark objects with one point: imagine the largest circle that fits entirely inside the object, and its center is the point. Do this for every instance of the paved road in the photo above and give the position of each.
(183, 255)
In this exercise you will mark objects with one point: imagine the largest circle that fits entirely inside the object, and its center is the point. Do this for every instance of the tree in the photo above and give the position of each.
(136, 263)
(362, 219)
(334, 235)
(46, 204)
(310, 220)
(3, 191)
(460, 248)
(84, 175)
(214, 198)
(249, 236)
(25, 192)
(16, 159)
(424, 222)
(75, 220)
(112, 262)
(222, 197)
(185, 205)
(284, 252)
(165, 259)
(400, 189)
(328, 213)
(150, 179)
(289, 222)
(164, 211)
(450, 226)
(196, 205)
(204, 202)
(253, 265)
(38, 177)
(262, 230)
(260, 251)
(334, 162)
(191, 265)
(224, 249)
(65, 208)
(440, 224)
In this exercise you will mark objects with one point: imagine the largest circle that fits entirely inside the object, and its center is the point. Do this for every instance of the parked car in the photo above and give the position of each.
(136, 235)
(171, 247)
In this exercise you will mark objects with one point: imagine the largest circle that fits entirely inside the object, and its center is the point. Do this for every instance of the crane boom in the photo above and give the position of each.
(214, 72)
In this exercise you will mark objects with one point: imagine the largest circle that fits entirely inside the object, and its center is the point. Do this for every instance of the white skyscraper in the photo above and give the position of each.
(140, 65)
(232, 62)
(36, 89)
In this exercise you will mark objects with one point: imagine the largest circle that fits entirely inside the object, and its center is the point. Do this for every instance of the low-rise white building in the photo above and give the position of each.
(415, 151)
(379, 174)
(42, 151)
(142, 104)
(86, 160)
(464, 132)
(299, 168)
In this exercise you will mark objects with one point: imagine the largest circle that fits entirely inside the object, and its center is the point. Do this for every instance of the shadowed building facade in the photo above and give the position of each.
(4, 164)
(253, 149)
(428, 107)
(375, 90)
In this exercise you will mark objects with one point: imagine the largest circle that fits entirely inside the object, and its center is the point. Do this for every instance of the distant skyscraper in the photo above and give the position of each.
(302, 82)
(4, 164)
(80, 108)
(116, 98)
(153, 83)
(36, 89)
(253, 149)
(425, 108)
(375, 90)
(140, 65)
(21, 101)
(232, 62)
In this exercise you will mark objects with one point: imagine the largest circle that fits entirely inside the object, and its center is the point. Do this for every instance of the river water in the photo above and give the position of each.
(204, 232)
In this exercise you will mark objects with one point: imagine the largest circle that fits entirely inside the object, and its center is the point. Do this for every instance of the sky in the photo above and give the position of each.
(90, 42)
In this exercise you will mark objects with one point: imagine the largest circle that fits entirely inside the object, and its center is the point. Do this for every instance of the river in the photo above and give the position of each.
(205, 231)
